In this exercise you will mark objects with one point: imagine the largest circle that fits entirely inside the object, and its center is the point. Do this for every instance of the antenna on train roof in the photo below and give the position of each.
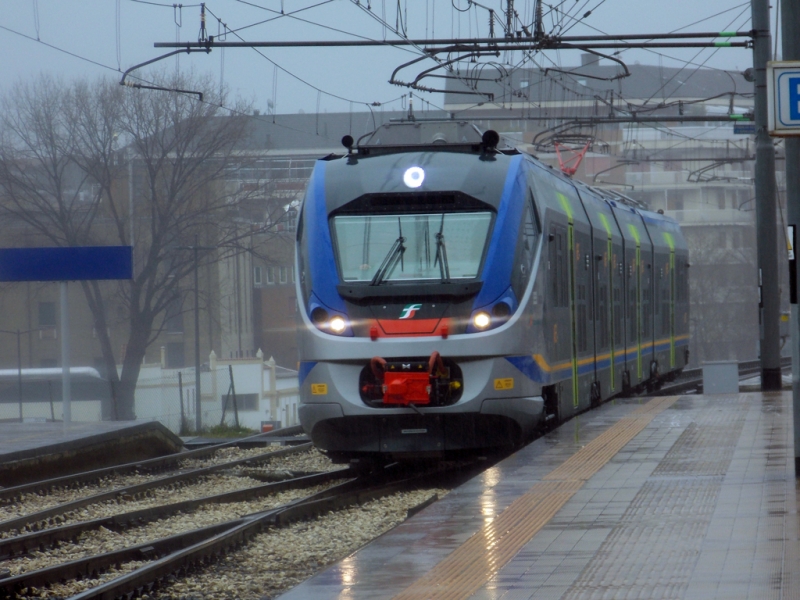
(490, 139)
(347, 142)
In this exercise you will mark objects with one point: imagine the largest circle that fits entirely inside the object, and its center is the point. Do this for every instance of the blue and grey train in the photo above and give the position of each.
(455, 297)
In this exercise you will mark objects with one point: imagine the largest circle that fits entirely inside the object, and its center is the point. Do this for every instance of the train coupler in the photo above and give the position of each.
(411, 383)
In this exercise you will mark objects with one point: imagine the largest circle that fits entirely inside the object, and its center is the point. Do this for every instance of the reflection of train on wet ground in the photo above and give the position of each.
(454, 297)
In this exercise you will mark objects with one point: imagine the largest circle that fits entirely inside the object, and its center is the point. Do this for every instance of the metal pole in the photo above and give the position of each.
(19, 375)
(766, 229)
(180, 391)
(233, 389)
(790, 32)
(197, 397)
(65, 382)
(130, 195)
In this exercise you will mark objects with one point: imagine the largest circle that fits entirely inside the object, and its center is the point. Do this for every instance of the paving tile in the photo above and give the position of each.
(701, 504)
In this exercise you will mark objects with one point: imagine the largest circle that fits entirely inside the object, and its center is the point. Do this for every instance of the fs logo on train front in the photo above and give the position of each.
(410, 310)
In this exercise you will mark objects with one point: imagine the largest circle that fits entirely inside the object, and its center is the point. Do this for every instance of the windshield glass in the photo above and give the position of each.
(411, 247)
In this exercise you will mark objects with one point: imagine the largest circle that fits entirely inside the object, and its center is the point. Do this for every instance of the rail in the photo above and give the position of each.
(691, 379)
(133, 490)
(12, 494)
(182, 552)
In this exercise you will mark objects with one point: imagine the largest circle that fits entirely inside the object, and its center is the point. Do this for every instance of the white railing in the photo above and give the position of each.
(711, 216)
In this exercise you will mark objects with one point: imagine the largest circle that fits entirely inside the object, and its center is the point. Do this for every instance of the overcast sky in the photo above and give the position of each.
(93, 38)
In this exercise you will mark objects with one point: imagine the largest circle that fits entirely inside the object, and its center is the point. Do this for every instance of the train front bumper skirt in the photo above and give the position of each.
(500, 423)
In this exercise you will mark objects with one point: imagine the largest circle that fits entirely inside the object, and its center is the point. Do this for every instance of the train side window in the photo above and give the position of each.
(647, 310)
(525, 249)
(632, 314)
(558, 271)
(617, 317)
(657, 300)
(582, 327)
(603, 315)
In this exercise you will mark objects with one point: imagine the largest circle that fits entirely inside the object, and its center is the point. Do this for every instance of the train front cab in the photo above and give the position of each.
(347, 408)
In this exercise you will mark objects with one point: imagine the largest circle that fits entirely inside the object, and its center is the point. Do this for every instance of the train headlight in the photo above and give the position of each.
(319, 315)
(481, 320)
(337, 324)
(322, 319)
(413, 177)
(501, 310)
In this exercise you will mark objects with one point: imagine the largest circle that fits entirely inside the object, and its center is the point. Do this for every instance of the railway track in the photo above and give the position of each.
(106, 545)
(150, 466)
(183, 547)
(692, 379)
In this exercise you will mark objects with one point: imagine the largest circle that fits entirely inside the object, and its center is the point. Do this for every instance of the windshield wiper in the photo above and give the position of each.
(394, 256)
(441, 255)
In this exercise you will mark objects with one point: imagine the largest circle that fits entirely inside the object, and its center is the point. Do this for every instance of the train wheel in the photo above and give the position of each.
(550, 397)
(654, 372)
(626, 382)
(596, 395)
(367, 466)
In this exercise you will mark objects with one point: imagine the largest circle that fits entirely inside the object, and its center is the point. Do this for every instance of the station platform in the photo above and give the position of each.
(689, 497)
(39, 450)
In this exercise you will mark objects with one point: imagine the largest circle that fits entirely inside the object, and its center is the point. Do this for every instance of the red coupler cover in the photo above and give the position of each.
(406, 388)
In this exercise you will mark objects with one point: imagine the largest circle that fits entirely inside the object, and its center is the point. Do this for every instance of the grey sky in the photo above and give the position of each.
(120, 33)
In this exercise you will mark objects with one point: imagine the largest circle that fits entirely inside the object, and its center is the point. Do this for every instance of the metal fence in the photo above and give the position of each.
(242, 393)
(171, 398)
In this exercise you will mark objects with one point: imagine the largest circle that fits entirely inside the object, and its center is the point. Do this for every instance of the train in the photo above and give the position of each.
(456, 296)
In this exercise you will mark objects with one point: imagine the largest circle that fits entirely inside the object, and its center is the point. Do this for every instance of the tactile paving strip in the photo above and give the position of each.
(470, 566)
(653, 550)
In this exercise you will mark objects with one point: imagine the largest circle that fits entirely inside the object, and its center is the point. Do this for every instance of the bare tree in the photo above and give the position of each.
(69, 156)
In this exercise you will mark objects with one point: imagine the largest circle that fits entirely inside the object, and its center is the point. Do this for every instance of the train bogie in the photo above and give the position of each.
(455, 298)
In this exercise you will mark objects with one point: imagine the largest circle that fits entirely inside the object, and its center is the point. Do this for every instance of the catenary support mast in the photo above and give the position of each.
(790, 34)
(766, 229)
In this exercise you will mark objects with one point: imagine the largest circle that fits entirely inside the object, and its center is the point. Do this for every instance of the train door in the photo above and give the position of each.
(610, 345)
(584, 312)
(648, 303)
(573, 368)
(682, 304)
(679, 294)
(616, 275)
(564, 319)
(629, 286)
(636, 313)
(665, 336)
(558, 317)
(600, 305)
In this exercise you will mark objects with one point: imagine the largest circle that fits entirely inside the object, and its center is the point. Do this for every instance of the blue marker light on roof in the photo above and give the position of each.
(413, 177)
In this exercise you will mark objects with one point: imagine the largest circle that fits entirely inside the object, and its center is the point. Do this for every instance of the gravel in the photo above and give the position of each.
(309, 461)
(280, 559)
(267, 566)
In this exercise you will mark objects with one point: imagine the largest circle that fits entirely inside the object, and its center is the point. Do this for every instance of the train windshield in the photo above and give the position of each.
(411, 247)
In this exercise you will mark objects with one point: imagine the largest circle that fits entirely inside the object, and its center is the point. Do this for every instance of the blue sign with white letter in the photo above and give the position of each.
(794, 98)
(788, 96)
(783, 98)
(74, 263)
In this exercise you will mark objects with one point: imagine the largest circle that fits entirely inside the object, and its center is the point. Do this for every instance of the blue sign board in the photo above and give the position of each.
(744, 128)
(75, 263)
(789, 98)
(783, 97)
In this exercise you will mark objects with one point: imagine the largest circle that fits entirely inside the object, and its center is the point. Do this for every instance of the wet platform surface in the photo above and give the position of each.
(686, 497)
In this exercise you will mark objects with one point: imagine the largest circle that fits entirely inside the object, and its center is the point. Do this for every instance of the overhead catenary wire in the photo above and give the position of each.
(695, 56)
(139, 78)
(294, 76)
(565, 16)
